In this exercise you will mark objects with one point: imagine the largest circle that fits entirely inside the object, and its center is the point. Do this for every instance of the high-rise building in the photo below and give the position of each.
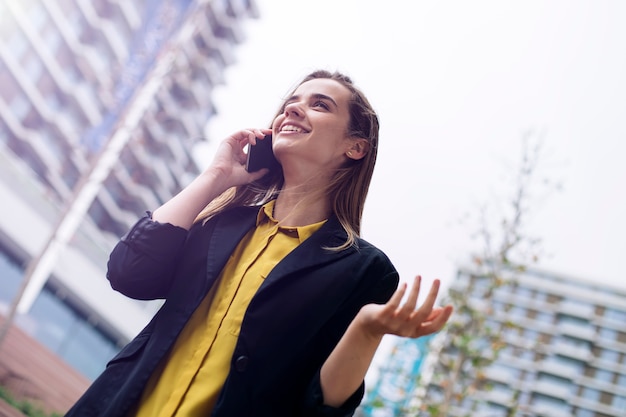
(117, 92)
(565, 355)
(396, 380)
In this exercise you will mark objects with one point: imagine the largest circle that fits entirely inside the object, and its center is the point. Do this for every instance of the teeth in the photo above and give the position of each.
(291, 128)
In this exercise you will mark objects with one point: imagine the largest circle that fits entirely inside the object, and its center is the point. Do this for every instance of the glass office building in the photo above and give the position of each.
(71, 73)
(565, 357)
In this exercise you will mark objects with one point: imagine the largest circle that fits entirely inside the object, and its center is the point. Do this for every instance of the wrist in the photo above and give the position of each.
(216, 178)
(364, 328)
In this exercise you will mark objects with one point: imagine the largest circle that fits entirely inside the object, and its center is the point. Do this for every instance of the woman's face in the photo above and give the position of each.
(310, 134)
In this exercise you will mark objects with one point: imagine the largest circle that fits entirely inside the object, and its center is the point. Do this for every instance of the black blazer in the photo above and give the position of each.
(290, 327)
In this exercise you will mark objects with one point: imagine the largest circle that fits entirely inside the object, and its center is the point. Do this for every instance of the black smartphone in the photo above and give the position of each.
(261, 155)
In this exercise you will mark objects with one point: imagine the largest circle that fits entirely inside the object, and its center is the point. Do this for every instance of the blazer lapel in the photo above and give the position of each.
(311, 252)
(227, 233)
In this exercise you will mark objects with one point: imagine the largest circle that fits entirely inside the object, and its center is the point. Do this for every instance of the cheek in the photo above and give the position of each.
(277, 121)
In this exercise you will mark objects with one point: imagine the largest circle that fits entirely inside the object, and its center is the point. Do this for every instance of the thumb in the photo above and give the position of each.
(257, 175)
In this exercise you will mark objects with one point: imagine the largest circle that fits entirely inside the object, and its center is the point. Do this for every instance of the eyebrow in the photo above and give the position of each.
(316, 96)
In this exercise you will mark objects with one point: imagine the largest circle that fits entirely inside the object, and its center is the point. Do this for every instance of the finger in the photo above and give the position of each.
(397, 296)
(261, 133)
(432, 295)
(411, 300)
(434, 314)
(438, 322)
(427, 307)
(252, 137)
(245, 136)
(258, 174)
(257, 133)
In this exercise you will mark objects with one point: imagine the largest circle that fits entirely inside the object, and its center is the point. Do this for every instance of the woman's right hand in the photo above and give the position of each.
(229, 162)
(228, 169)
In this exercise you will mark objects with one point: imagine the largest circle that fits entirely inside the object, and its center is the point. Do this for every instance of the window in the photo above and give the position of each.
(69, 334)
(503, 390)
(565, 365)
(52, 39)
(576, 326)
(577, 307)
(52, 320)
(540, 296)
(20, 105)
(492, 410)
(545, 404)
(17, 44)
(527, 354)
(608, 334)
(11, 272)
(619, 402)
(517, 311)
(603, 375)
(615, 315)
(504, 372)
(87, 349)
(544, 317)
(590, 394)
(8, 25)
(4, 133)
(576, 321)
(554, 380)
(574, 342)
(609, 355)
(531, 335)
(524, 292)
(435, 393)
(37, 15)
(32, 66)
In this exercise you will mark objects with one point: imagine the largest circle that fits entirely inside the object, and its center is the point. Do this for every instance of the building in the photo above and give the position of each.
(75, 76)
(397, 379)
(565, 356)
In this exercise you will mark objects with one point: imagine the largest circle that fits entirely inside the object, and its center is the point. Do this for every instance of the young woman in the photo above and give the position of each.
(274, 306)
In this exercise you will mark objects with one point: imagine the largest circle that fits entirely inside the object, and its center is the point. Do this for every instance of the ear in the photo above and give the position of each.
(358, 148)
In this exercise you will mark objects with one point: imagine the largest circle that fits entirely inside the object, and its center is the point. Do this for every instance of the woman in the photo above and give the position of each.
(273, 304)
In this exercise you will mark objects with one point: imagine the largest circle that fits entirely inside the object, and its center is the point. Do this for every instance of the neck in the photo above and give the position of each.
(302, 203)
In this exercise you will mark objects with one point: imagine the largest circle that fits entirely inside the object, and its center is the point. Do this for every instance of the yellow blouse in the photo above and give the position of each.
(188, 381)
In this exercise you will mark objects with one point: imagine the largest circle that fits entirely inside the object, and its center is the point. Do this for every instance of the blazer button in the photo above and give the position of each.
(241, 363)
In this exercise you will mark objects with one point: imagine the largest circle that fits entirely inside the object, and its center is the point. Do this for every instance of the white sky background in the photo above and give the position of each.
(456, 84)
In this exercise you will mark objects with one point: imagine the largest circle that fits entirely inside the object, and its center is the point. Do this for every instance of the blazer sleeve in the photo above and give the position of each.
(143, 263)
(377, 287)
(315, 406)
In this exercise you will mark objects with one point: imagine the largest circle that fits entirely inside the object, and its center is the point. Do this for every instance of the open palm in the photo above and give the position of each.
(405, 319)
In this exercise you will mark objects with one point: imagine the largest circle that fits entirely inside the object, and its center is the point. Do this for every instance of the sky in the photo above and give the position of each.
(457, 85)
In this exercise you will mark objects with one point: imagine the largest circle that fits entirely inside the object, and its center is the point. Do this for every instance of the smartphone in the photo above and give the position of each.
(261, 155)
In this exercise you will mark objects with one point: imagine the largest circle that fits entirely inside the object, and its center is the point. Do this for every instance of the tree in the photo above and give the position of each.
(470, 342)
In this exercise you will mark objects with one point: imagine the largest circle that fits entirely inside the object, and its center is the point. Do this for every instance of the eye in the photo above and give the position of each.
(320, 103)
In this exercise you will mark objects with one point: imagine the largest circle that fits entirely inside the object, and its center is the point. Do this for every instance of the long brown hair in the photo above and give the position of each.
(349, 185)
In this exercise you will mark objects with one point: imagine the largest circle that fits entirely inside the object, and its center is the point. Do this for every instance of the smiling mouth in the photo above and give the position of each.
(293, 129)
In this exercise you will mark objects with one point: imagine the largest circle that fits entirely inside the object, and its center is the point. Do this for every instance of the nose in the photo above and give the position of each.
(293, 109)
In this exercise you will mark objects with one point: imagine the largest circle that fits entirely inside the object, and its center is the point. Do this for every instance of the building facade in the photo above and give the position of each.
(396, 380)
(565, 356)
(74, 76)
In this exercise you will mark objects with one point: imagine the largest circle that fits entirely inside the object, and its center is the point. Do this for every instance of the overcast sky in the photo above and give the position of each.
(456, 85)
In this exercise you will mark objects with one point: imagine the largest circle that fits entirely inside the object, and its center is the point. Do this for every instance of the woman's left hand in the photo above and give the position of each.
(405, 319)
(345, 368)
